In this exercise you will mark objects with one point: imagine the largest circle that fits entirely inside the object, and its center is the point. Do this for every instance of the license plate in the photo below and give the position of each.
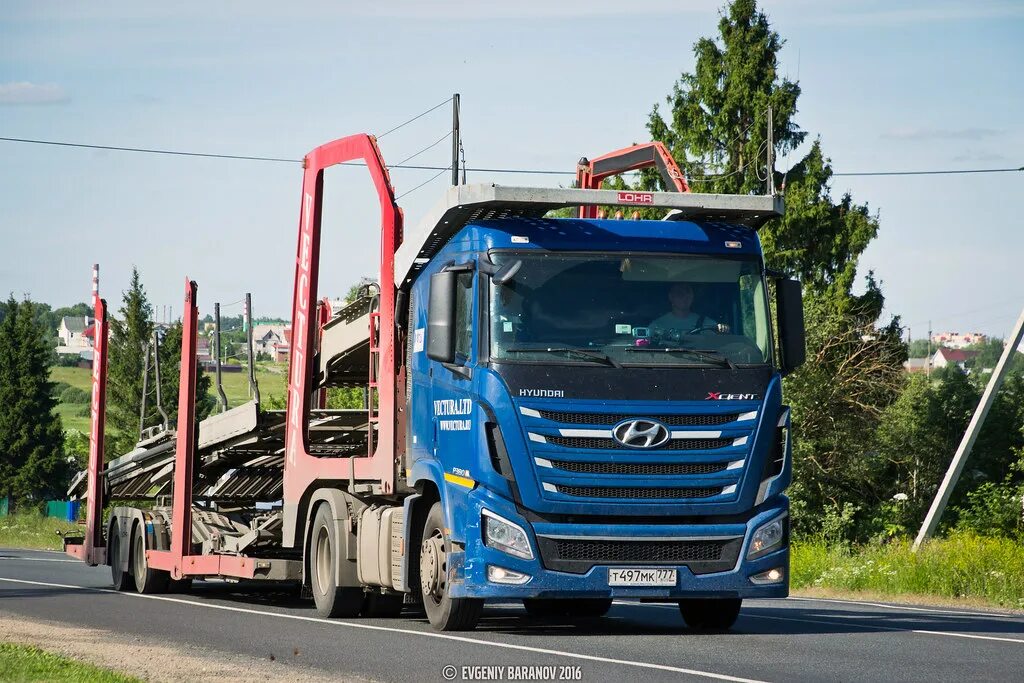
(641, 576)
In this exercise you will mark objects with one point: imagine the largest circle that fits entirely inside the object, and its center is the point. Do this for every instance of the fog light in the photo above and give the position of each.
(496, 574)
(773, 575)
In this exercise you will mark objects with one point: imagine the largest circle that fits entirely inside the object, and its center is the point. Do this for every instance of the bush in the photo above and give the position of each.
(67, 360)
(993, 510)
(962, 565)
(58, 389)
(73, 395)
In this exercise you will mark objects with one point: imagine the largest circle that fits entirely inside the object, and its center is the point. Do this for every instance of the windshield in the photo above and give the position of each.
(630, 310)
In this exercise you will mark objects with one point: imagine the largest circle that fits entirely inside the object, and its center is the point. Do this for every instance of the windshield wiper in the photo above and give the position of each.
(707, 355)
(589, 354)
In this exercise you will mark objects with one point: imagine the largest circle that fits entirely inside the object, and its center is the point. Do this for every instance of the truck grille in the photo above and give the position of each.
(607, 444)
(579, 555)
(640, 468)
(614, 418)
(635, 492)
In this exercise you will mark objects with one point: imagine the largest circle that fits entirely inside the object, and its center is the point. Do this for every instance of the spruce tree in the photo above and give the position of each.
(715, 125)
(130, 333)
(8, 394)
(34, 467)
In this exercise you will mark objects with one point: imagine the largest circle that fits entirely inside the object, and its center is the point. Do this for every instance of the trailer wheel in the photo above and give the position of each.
(710, 614)
(571, 607)
(122, 579)
(381, 605)
(331, 599)
(147, 580)
(444, 612)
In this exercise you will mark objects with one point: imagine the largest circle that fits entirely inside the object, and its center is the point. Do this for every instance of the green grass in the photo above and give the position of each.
(27, 663)
(32, 530)
(962, 566)
(271, 377)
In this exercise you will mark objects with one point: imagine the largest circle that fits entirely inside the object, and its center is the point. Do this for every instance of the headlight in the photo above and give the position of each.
(506, 536)
(768, 537)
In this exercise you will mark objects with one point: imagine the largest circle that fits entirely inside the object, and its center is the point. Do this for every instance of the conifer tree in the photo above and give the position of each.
(32, 466)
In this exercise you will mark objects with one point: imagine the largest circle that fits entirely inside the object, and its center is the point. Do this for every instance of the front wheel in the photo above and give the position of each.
(710, 614)
(444, 612)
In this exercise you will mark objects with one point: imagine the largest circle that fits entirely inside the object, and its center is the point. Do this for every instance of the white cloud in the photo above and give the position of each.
(31, 93)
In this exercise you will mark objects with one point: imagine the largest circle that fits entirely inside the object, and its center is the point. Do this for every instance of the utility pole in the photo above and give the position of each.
(455, 139)
(771, 152)
(928, 361)
(931, 521)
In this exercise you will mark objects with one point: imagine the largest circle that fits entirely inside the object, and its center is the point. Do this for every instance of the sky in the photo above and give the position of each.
(887, 85)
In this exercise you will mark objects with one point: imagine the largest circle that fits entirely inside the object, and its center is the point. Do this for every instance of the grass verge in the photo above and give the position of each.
(963, 566)
(32, 530)
(27, 663)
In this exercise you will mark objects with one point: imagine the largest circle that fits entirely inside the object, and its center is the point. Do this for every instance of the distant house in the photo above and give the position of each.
(75, 334)
(282, 349)
(203, 353)
(956, 340)
(916, 365)
(958, 357)
(266, 336)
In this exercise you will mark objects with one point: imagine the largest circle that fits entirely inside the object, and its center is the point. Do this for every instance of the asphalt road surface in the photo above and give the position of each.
(774, 640)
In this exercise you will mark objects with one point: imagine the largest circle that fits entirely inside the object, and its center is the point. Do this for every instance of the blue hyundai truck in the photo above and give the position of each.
(558, 410)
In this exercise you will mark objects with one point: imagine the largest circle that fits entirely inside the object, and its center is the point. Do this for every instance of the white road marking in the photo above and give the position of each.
(872, 627)
(391, 629)
(993, 615)
(38, 559)
(854, 624)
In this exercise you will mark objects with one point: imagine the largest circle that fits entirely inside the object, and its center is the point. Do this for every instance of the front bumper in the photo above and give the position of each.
(729, 579)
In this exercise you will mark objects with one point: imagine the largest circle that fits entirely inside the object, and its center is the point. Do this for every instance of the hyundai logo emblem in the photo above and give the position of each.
(641, 433)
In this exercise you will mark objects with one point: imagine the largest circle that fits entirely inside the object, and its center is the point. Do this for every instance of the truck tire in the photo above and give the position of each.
(444, 612)
(382, 605)
(147, 580)
(710, 614)
(331, 599)
(122, 579)
(571, 607)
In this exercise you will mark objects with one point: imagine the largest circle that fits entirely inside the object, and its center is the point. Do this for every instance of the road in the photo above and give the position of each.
(774, 640)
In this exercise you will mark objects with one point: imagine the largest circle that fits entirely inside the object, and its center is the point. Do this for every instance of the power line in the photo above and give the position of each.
(417, 167)
(146, 150)
(421, 115)
(938, 172)
(429, 180)
(428, 147)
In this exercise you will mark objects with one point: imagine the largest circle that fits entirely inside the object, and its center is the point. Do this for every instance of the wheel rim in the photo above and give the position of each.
(323, 558)
(140, 556)
(433, 567)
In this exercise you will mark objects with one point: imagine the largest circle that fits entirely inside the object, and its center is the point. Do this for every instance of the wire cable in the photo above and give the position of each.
(147, 150)
(429, 180)
(418, 116)
(428, 147)
(417, 167)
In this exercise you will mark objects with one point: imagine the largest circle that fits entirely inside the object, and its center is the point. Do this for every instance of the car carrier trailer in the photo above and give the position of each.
(532, 431)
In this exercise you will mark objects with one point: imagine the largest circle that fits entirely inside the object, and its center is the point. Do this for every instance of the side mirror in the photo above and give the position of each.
(789, 305)
(441, 317)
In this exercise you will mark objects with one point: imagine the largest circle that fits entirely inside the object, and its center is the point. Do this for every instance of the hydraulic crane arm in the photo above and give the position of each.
(591, 174)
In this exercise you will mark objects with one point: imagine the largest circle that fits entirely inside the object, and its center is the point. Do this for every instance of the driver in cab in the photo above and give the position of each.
(681, 320)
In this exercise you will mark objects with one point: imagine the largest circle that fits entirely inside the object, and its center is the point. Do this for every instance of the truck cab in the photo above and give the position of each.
(599, 404)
